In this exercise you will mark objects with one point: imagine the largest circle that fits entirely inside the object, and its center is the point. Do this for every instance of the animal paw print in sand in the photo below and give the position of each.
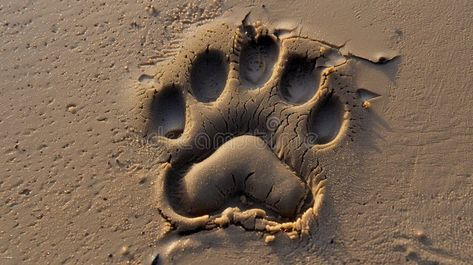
(240, 118)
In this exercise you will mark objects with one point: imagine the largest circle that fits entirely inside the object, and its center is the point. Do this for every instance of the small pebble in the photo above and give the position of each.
(268, 239)
(124, 250)
(419, 234)
(72, 109)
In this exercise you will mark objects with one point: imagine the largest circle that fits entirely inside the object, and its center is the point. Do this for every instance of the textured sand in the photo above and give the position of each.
(76, 179)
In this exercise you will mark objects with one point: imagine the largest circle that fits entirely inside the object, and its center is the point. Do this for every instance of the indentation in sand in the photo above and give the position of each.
(251, 169)
(257, 59)
(327, 119)
(298, 81)
(251, 157)
(208, 75)
(167, 113)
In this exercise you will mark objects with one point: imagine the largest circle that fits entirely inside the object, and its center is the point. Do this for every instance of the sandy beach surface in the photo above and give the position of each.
(236, 132)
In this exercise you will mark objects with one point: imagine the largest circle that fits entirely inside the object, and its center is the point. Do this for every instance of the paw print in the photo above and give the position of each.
(238, 122)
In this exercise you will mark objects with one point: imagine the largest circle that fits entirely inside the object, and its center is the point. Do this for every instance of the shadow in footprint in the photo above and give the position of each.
(209, 75)
(298, 82)
(326, 121)
(257, 59)
(167, 113)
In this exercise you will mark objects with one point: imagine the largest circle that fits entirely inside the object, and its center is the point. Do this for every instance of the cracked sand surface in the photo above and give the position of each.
(75, 184)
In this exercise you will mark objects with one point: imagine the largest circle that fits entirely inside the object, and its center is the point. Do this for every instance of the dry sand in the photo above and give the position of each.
(102, 103)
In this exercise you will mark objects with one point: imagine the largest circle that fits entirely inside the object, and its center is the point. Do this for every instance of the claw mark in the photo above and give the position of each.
(247, 177)
(269, 192)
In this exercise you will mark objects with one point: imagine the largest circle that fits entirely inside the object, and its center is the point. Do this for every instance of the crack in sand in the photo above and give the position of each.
(279, 112)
